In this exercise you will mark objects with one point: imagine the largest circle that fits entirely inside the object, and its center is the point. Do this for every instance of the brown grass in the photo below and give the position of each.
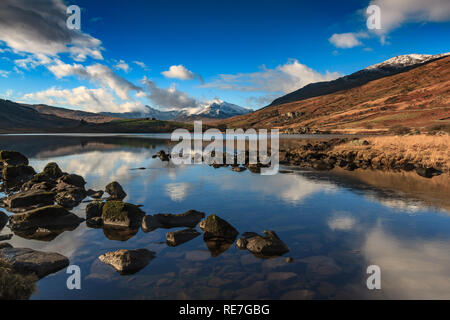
(427, 150)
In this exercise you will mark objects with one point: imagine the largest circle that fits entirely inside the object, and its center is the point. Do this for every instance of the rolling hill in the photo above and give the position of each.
(416, 97)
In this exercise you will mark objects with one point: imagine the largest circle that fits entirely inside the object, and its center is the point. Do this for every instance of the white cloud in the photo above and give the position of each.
(347, 40)
(179, 72)
(141, 64)
(39, 27)
(283, 79)
(122, 65)
(342, 222)
(169, 98)
(92, 100)
(96, 73)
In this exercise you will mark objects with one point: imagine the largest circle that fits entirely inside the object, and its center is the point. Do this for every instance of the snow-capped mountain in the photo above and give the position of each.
(220, 109)
(406, 60)
(384, 69)
(214, 109)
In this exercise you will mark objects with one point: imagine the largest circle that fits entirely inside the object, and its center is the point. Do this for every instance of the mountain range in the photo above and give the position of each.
(215, 109)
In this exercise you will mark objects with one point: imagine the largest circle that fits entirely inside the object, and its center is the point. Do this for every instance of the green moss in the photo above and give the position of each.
(53, 170)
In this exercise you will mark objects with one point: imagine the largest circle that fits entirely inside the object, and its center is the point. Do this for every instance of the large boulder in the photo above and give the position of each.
(45, 217)
(176, 238)
(29, 199)
(189, 219)
(215, 227)
(266, 246)
(128, 261)
(115, 190)
(29, 261)
(122, 214)
(13, 158)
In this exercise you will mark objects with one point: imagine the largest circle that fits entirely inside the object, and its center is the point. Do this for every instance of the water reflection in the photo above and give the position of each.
(335, 224)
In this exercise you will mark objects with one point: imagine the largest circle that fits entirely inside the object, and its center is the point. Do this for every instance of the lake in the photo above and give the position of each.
(336, 224)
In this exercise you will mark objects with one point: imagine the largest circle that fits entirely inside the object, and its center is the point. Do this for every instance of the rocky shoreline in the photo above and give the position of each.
(40, 205)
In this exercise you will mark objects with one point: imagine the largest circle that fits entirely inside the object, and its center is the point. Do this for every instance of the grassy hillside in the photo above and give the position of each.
(418, 98)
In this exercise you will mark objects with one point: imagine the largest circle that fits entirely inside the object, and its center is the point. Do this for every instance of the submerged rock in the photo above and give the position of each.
(12, 158)
(45, 217)
(122, 214)
(128, 261)
(176, 238)
(95, 222)
(267, 246)
(189, 219)
(115, 190)
(29, 261)
(215, 227)
(43, 233)
(119, 233)
(239, 169)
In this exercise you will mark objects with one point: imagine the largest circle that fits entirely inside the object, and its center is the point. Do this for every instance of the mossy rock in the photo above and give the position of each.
(215, 227)
(119, 213)
(17, 172)
(52, 170)
(115, 190)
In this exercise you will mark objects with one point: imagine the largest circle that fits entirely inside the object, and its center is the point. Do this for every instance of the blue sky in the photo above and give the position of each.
(244, 52)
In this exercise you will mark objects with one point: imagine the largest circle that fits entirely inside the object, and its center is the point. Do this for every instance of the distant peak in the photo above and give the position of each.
(406, 60)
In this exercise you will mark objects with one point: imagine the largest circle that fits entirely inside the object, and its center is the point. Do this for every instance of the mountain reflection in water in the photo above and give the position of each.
(335, 224)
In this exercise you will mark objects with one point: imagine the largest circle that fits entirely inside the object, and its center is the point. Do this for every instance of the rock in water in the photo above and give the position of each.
(30, 198)
(52, 170)
(18, 173)
(13, 158)
(176, 238)
(28, 261)
(73, 180)
(268, 246)
(189, 219)
(94, 209)
(215, 227)
(122, 214)
(115, 190)
(71, 197)
(94, 194)
(128, 261)
(45, 217)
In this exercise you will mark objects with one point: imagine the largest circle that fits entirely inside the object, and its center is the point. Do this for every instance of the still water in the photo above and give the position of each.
(336, 224)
